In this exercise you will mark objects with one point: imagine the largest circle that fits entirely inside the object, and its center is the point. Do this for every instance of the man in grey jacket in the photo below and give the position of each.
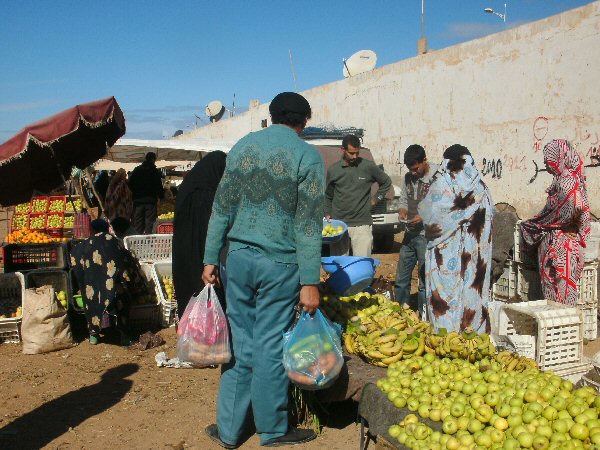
(416, 186)
(348, 197)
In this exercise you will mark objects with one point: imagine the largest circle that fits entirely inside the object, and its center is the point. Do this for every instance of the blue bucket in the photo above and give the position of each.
(335, 237)
(349, 274)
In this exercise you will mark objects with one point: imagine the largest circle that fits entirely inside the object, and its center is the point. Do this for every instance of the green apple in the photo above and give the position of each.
(399, 401)
(450, 425)
(579, 431)
(463, 422)
(457, 409)
(395, 431)
(540, 442)
(484, 440)
(544, 430)
(525, 439)
(550, 412)
(492, 399)
(474, 426)
(503, 410)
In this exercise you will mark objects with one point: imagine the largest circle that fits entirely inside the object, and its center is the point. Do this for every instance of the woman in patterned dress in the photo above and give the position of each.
(457, 214)
(119, 200)
(109, 279)
(559, 231)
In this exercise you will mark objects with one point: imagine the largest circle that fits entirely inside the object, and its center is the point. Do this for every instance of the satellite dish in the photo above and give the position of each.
(215, 110)
(361, 61)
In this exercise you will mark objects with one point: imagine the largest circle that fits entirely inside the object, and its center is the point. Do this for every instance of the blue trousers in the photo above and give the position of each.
(261, 295)
(412, 252)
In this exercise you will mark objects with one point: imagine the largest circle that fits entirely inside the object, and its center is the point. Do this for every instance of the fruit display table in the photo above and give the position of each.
(375, 409)
(355, 374)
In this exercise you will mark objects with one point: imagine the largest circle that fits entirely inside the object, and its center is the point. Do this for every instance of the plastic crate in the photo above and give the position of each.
(150, 247)
(506, 287)
(575, 372)
(73, 200)
(58, 279)
(588, 283)
(592, 248)
(19, 222)
(12, 291)
(589, 313)
(21, 257)
(69, 221)
(34, 224)
(518, 254)
(557, 331)
(168, 306)
(165, 228)
(145, 317)
(58, 200)
(23, 208)
(42, 202)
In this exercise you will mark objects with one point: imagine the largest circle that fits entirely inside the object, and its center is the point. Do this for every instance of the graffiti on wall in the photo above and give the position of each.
(492, 167)
(586, 141)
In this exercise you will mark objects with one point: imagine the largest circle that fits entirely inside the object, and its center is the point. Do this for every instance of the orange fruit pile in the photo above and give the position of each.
(31, 237)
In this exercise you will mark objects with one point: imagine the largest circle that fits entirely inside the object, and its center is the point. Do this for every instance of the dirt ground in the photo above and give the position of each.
(106, 396)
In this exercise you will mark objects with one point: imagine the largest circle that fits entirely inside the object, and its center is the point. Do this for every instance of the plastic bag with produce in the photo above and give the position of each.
(312, 352)
(203, 332)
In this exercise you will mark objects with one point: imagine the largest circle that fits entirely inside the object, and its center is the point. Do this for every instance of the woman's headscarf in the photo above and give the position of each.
(205, 174)
(119, 176)
(567, 203)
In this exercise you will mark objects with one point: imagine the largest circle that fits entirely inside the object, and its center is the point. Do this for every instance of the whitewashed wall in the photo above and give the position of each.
(503, 96)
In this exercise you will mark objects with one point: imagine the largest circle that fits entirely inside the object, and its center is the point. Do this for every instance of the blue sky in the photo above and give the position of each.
(165, 60)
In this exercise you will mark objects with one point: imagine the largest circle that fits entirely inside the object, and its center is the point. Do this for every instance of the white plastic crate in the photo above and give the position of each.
(12, 291)
(518, 254)
(591, 249)
(557, 331)
(589, 312)
(150, 247)
(168, 306)
(147, 316)
(506, 287)
(575, 372)
(588, 283)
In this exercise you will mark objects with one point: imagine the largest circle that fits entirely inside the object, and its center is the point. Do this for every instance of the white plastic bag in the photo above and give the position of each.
(203, 333)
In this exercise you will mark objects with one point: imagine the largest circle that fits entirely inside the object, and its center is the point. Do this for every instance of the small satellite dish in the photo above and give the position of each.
(215, 110)
(361, 61)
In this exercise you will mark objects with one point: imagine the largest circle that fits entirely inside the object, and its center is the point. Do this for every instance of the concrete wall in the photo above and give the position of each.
(503, 96)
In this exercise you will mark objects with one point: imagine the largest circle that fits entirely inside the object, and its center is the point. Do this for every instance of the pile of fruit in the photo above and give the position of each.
(37, 222)
(23, 208)
(56, 205)
(61, 296)
(10, 308)
(39, 205)
(54, 221)
(68, 223)
(167, 216)
(485, 405)
(19, 221)
(168, 289)
(30, 237)
(330, 230)
(69, 205)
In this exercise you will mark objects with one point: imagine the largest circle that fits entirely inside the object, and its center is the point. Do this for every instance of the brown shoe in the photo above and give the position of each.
(212, 431)
(292, 437)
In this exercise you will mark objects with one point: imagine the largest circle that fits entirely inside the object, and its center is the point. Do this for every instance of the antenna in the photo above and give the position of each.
(215, 110)
(233, 106)
(293, 72)
(361, 61)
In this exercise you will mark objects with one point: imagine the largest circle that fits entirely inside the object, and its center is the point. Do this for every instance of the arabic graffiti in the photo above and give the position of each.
(586, 141)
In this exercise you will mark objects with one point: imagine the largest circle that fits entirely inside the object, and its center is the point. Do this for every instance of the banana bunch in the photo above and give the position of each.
(512, 362)
(467, 345)
(342, 309)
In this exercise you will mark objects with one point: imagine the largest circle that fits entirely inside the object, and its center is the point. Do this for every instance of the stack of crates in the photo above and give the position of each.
(154, 251)
(520, 282)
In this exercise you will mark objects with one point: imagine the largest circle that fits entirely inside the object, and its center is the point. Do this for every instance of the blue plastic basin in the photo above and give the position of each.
(335, 237)
(349, 274)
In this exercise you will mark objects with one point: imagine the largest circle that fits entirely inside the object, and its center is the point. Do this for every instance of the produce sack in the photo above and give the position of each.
(45, 326)
(312, 351)
(203, 333)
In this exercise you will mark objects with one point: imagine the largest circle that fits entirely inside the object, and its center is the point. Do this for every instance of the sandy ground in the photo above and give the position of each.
(106, 396)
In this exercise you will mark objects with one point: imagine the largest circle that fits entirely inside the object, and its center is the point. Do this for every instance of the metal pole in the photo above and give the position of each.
(293, 72)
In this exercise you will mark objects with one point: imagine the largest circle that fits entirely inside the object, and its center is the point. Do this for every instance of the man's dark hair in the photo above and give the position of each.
(455, 154)
(151, 157)
(414, 154)
(350, 139)
(289, 108)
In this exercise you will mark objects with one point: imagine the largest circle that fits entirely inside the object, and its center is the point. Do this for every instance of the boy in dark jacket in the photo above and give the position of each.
(145, 183)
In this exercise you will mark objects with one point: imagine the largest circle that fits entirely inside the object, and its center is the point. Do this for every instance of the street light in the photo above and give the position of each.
(502, 16)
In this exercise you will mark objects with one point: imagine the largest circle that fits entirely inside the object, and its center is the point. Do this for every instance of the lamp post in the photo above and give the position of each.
(422, 42)
(502, 16)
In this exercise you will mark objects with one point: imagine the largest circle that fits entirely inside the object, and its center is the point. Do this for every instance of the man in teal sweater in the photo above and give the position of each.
(269, 208)
(348, 197)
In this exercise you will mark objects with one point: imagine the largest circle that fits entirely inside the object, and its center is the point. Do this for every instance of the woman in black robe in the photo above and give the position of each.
(192, 212)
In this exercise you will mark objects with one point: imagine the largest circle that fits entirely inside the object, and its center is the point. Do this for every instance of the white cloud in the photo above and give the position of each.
(23, 106)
